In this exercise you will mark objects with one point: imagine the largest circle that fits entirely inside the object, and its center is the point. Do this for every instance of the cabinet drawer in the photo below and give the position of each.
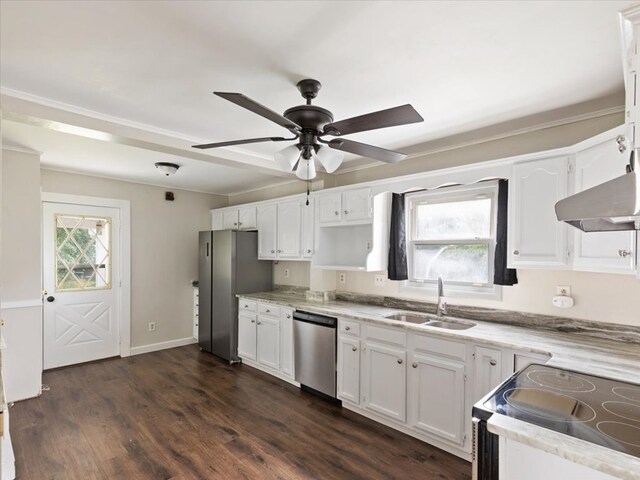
(446, 348)
(387, 335)
(269, 309)
(348, 327)
(247, 305)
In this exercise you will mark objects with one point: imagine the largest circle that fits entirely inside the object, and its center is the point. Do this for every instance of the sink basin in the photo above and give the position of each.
(449, 325)
(408, 317)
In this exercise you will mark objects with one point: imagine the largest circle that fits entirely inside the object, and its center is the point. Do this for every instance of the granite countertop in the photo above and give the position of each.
(617, 358)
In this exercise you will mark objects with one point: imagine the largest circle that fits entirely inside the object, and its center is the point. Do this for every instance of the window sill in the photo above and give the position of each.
(453, 291)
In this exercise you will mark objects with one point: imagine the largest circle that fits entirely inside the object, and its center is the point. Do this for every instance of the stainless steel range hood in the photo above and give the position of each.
(611, 206)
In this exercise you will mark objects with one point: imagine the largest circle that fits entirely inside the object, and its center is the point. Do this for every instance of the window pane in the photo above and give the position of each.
(453, 220)
(455, 263)
(82, 252)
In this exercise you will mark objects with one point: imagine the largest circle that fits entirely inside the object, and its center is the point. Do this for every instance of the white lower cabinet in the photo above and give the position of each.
(487, 371)
(286, 342)
(268, 342)
(247, 336)
(437, 396)
(349, 369)
(385, 376)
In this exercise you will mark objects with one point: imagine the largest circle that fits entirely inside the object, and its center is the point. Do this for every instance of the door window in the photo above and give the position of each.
(83, 253)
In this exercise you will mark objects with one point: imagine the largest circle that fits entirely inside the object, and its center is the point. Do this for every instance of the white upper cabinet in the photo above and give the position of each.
(230, 220)
(267, 228)
(601, 159)
(308, 228)
(346, 207)
(289, 229)
(247, 218)
(537, 239)
(217, 220)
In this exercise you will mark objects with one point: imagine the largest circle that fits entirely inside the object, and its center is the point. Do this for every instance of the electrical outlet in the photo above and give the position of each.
(286, 273)
(343, 277)
(152, 326)
(563, 290)
(379, 281)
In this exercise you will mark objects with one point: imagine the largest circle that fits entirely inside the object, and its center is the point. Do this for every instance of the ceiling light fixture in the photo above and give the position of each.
(167, 168)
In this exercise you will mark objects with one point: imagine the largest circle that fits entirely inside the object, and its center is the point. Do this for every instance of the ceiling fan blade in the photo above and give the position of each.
(390, 117)
(369, 151)
(241, 142)
(245, 102)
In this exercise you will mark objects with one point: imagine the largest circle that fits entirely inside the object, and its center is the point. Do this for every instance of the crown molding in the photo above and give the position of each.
(19, 149)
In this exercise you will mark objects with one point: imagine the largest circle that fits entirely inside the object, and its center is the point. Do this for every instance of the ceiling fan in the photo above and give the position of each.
(309, 124)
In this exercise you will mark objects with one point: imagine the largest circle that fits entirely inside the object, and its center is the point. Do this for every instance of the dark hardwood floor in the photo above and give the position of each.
(184, 414)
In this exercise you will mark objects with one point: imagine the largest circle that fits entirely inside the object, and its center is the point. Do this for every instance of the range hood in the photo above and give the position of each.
(611, 206)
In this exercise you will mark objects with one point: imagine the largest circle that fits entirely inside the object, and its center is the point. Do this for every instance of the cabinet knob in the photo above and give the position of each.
(268, 311)
(239, 223)
(353, 349)
(400, 361)
(620, 141)
(273, 251)
(347, 328)
(259, 323)
(516, 252)
(414, 365)
(253, 321)
(235, 223)
(624, 253)
(279, 251)
(308, 251)
(246, 306)
(492, 362)
(288, 316)
(346, 212)
(337, 212)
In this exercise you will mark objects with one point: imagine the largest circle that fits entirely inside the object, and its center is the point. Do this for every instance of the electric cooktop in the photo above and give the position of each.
(595, 409)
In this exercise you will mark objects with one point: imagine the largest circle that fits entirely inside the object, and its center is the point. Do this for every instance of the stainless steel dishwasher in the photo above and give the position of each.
(314, 343)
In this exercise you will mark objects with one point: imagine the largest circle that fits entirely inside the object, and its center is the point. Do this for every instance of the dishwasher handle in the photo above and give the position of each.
(316, 319)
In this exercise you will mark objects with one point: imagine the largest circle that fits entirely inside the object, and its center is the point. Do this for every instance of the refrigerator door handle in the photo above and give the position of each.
(207, 249)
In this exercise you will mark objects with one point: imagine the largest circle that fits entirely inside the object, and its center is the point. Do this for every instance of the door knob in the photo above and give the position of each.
(50, 299)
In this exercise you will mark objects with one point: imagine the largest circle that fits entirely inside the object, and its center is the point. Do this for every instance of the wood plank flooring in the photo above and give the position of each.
(184, 414)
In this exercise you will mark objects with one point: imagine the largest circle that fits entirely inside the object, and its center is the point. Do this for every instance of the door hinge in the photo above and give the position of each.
(571, 167)
(464, 438)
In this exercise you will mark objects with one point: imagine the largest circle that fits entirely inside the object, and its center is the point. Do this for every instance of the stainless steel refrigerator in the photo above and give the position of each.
(228, 266)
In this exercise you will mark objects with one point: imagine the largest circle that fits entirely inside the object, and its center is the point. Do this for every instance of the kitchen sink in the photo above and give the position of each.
(449, 325)
(408, 317)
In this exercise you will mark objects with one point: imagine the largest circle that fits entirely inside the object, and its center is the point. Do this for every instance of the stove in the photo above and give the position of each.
(598, 410)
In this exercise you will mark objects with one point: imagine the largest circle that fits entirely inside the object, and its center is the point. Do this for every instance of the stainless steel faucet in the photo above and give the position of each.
(442, 305)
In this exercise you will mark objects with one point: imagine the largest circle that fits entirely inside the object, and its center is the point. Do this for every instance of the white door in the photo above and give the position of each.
(349, 369)
(267, 216)
(247, 336)
(603, 251)
(289, 229)
(308, 228)
(357, 204)
(436, 396)
(385, 381)
(81, 255)
(488, 371)
(269, 342)
(538, 239)
(329, 207)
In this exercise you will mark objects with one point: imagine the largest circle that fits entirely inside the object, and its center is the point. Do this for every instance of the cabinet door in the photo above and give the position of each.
(286, 342)
(436, 396)
(308, 228)
(603, 251)
(247, 336)
(356, 204)
(385, 380)
(247, 218)
(267, 215)
(487, 371)
(230, 220)
(217, 221)
(329, 207)
(349, 369)
(289, 229)
(538, 239)
(269, 342)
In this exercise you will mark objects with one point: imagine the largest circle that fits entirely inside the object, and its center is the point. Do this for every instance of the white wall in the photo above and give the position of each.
(20, 275)
(164, 249)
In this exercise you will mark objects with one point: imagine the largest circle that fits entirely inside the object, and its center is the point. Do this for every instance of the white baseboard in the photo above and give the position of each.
(154, 347)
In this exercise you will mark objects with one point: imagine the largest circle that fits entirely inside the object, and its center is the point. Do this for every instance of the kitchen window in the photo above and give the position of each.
(451, 232)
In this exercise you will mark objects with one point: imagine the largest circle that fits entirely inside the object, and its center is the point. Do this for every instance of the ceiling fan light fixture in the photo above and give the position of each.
(306, 169)
(287, 157)
(167, 168)
(329, 158)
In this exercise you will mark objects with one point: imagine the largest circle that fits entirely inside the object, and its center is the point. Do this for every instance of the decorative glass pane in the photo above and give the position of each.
(454, 263)
(466, 219)
(83, 259)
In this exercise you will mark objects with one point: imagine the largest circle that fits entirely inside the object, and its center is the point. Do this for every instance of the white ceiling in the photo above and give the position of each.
(463, 65)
